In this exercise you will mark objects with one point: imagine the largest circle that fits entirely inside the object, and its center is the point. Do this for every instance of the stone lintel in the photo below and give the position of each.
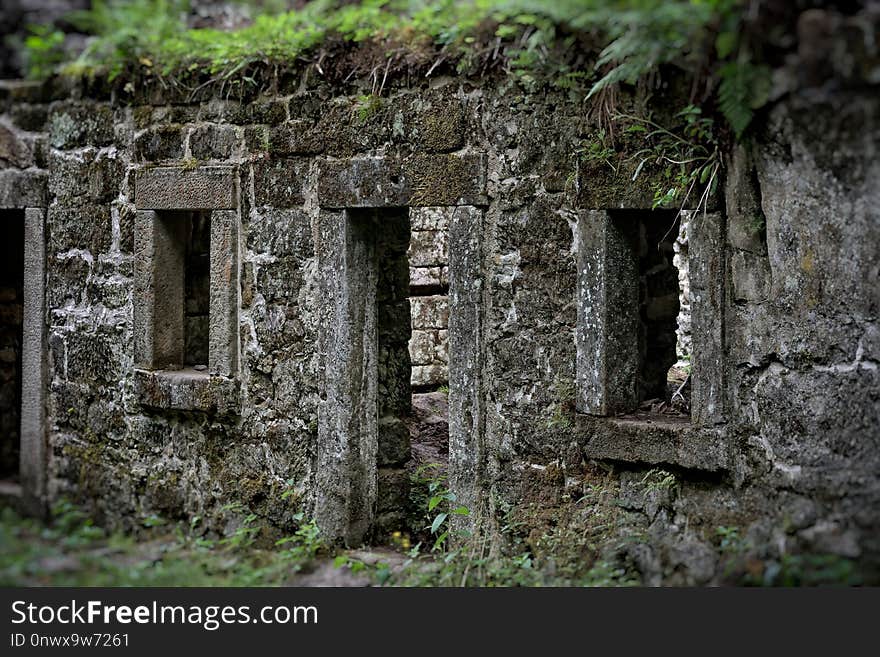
(177, 188)
(417, 181)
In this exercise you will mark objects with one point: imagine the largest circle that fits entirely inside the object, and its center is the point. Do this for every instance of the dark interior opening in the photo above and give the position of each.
(197, 289)
(663, 383)
(11, 307)
(393, 314)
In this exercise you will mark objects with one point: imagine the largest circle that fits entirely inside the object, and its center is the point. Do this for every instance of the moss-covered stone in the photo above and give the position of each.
(73, 124)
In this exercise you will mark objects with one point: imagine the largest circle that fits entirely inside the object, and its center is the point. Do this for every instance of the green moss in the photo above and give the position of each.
(367, 107)
(439, 179)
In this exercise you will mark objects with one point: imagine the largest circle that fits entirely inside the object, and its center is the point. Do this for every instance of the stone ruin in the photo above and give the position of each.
(207, 299)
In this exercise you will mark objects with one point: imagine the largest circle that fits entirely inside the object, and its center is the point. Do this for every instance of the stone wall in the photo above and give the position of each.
(133, 441)
(452, 224)
(429, 287)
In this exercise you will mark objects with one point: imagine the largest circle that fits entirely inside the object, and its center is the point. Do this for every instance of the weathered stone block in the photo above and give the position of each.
(446, 179)
(213, 142)
(256, 139)
(652, 442)
(224, 339)
(161, 143)
(284, 234)
(90, 357)
(279, 183)
(468, 451)
(430, 218)
(430, 312)
(346, 476)
(32, 470)
(422, 345)
(88, 228)
(425, 277)
(85, 177)
(422, 180)
(23, 189)
(80, 123)
(362, 183)
(67, 280)
(174, 188)
(745, 218)
(440, 128)
(271, 112)
(428, 248)
(296, 138)
(240, 113)
(441, 350)
(393, 489)
(14, 150)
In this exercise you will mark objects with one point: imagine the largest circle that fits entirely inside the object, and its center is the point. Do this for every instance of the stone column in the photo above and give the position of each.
(707, 276)
(223, 343)
(159, 260)
(346, 455)
(33, 364)
(608, 314)
(467, 449)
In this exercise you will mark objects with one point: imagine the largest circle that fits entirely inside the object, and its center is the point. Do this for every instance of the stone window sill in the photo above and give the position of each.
(670, 441)
(187, 390)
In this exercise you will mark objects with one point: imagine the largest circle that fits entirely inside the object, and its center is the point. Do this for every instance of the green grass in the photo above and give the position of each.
(71, 551)
(587, 45)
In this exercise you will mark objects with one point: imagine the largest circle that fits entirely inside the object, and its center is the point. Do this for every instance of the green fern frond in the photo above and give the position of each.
(743, 88)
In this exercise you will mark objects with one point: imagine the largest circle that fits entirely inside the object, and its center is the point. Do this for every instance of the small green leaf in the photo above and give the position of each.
(704, 176)
(725, 44)
(438, 521)
(462, 511)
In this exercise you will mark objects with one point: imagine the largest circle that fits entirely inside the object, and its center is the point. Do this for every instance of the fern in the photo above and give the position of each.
(742, 89)
(646, 36)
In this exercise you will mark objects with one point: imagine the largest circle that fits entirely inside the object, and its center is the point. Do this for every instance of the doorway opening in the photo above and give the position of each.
(197, 290)
(664, 384)
(11, 339)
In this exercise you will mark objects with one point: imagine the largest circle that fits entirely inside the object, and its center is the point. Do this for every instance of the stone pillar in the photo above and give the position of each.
(33, 364)
(159, 260)
(608, 314)
(467, 449)
(223, 342)
(707, 276)
(346, 455)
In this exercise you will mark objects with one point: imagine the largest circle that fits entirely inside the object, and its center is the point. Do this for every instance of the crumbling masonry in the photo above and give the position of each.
(207, 300)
